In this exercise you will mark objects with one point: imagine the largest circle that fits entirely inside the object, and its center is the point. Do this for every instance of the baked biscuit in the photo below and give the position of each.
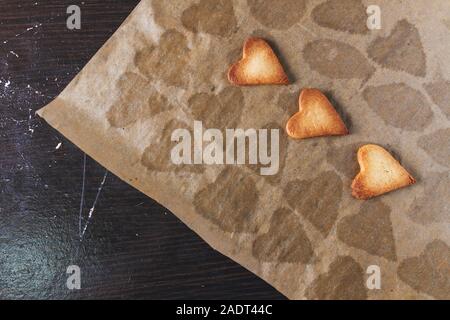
(380, 173)
(316, 117)
(259, 65)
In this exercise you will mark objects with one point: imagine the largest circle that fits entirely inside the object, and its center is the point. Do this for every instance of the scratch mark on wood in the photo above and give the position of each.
(37, 25)
(92, 209)
(82, 196)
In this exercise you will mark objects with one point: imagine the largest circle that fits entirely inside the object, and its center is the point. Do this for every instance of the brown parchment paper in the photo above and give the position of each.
(300, 230)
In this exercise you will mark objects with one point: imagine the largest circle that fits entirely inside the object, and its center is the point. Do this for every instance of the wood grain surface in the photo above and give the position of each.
(132, 246)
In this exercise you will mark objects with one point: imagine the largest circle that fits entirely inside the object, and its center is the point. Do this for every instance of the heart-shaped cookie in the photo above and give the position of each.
(379, 173)
(259, 65)
(316, 117)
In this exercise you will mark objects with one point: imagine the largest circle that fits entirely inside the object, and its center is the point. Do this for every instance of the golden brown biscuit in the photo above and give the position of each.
(316, 117)
(380, 173)
(259, 65)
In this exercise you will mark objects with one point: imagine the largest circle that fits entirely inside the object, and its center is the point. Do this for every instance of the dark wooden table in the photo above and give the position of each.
(132, 247)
